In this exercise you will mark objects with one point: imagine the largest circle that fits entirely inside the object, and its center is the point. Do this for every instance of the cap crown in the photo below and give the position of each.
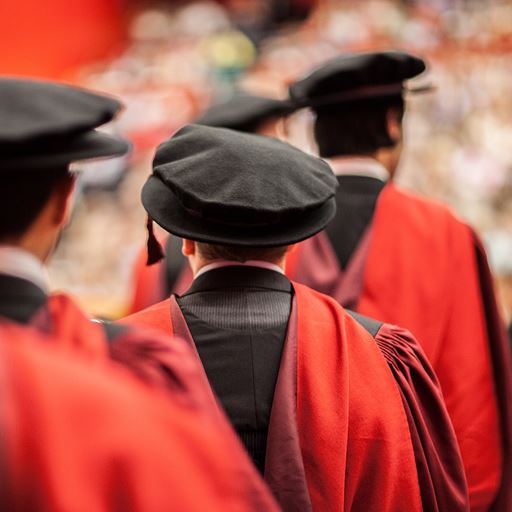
(244, 112)
(235, 177)
(45, 124)
(31, 110)
(360, 74)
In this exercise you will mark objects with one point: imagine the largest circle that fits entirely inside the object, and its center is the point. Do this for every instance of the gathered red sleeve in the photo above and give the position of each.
(439, 463)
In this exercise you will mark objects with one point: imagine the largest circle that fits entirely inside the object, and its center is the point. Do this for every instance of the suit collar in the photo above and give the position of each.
(358, 166)
(359, 186)
(240, 277)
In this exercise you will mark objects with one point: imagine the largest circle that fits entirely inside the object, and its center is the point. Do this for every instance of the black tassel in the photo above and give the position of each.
(155, 251)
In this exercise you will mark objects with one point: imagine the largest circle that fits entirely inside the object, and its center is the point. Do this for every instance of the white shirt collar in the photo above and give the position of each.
(20, 263)
(249, 263)
(358, 166)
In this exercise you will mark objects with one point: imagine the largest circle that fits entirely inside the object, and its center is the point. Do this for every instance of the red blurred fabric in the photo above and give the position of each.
(83, 437)
(155, 358)
(71, 328)
(51, 38)
(432, 289)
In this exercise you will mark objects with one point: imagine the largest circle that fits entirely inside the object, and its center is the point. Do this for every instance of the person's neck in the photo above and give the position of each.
(389, 158)
(33, 246)
(202, 265)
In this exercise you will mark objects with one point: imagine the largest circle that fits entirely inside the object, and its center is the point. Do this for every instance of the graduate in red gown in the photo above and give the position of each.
(338, 411)
(89, 437)
(242, 112)
(45, 127)
(408, 260)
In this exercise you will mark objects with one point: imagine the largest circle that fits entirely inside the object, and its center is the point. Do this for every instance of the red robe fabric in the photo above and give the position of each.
(67, 324)
(344, 434)
(151, 356)
(418, 266)
(89, 437)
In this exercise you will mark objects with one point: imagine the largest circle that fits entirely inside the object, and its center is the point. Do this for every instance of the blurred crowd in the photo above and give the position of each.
(181, 59)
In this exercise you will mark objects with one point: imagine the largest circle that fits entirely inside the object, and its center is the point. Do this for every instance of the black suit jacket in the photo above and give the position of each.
(356, 198)
(20, 299)
(238, 318)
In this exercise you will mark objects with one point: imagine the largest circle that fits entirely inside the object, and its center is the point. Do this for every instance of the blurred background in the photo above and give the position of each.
(170, 60)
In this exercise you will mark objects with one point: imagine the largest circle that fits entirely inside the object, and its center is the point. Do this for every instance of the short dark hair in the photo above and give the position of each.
(357, 128)
(22, 197)
(240, 254)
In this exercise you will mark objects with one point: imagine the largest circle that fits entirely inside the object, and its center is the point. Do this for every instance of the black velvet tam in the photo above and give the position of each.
(220, 186)
(352, 77)
(244, 112)
(44, 124)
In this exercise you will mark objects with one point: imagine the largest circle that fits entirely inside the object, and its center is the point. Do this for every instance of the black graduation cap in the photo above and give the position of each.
(354, 77)
(48, 125)
(244, 112)
(220, 186)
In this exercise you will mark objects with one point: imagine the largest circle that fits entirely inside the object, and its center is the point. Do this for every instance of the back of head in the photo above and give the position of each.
(353, 96)
(358, 128)
(212, 252)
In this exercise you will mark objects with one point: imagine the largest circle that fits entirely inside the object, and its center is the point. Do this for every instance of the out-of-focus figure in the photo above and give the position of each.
(499, 245)
(408, 260)
(47, 126)
(84, 437)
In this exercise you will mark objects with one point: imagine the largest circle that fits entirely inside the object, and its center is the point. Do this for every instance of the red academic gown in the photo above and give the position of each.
(418, 266)
(87, 436)
(357, 423)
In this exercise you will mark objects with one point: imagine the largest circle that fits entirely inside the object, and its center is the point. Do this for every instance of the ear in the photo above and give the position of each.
(394, 125)
(188, 248)
(63, 199)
